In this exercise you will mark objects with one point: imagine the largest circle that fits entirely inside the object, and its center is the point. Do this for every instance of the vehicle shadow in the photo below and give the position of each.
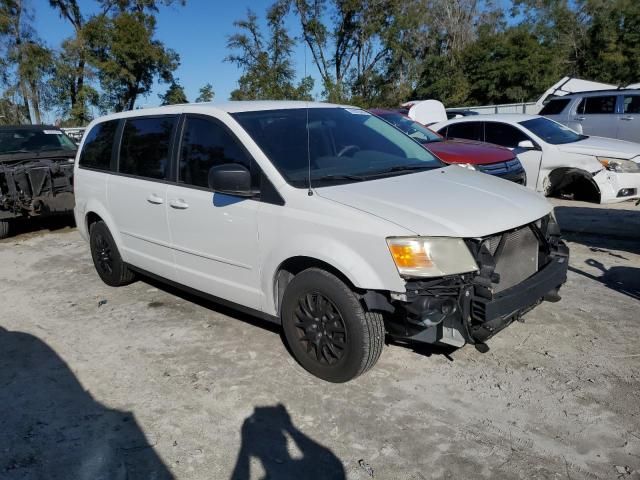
(625, 280)
(600, 227)
(210, 304)
(50, 427)
(267, 436)
(22, 226)
(424, 349)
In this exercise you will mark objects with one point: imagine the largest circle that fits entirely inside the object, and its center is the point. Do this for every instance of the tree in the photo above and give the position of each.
(509, 66)
(206, 94)
(26, 61)
(127, 57)
(612, 41)
(174, 95)
(349, 41)
(266, 64)
(72, 65)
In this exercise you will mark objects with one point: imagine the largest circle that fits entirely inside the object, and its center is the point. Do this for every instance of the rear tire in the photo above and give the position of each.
(5, 229)
(106, 257)
(327, 329)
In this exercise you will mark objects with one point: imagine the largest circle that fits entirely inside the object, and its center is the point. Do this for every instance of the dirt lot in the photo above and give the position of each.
(144, 382)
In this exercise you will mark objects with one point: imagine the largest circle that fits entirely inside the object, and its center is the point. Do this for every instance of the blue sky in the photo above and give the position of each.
(197, 31)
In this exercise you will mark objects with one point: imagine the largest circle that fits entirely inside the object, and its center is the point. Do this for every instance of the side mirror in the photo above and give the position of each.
(526, 145)
(230, 179)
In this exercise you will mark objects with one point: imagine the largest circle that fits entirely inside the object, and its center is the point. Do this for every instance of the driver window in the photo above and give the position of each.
(206, 143)
(503, 134)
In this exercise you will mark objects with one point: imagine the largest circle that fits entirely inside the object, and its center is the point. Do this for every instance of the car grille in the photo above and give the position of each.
(511, 170)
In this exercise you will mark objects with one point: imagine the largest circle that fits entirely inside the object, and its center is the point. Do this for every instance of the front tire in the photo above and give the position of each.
(106, 257)
(327, 329)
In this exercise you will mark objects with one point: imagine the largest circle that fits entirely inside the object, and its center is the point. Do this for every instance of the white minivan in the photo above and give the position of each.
(322, 218)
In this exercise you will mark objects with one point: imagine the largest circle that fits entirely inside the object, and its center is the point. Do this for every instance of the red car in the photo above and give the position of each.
(483, 157)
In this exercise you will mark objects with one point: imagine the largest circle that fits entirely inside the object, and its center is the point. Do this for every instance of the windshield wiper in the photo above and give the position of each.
(340, 177)
(401, 168)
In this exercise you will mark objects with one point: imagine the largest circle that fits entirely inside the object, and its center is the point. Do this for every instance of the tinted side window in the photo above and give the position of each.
(632, 104)
(468, 130)
(144, 150)
(97, 148)
(554, 107)
(206, 143)
(503, 134)
(593, 105)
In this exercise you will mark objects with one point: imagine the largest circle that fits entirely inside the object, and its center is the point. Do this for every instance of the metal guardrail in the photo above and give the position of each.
(528, 107)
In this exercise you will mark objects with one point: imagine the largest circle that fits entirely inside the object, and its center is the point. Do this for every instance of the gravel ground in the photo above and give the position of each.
(144, 382)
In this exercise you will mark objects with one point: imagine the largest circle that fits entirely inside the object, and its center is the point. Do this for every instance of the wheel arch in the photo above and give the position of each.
(572, 180)
(290, 267)
(96, 212)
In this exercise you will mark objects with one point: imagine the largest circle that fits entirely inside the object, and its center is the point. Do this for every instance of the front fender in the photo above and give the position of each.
(371, 268)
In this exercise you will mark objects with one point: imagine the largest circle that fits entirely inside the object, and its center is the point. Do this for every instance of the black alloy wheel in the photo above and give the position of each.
(106, 257)
(321, 328)
(103, 255)
(327, 328)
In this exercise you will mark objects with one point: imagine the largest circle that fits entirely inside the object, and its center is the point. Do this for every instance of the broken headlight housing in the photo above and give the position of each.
(430, 256)
(619, 165)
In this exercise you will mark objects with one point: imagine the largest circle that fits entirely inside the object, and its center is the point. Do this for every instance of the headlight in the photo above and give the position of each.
(430, 256)
(619, 165)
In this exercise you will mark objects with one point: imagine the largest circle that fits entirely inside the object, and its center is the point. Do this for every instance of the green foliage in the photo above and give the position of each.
(206, 94)
(127, 57)
(105, 48)
(366, 52)
(174, 95)
(508, 67)
(266, 63)
(612, 52)
(25, 62)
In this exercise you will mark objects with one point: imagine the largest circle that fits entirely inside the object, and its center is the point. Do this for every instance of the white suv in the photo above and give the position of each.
(320, 217)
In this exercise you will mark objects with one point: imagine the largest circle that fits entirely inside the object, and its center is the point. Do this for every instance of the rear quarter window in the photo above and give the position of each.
(554, 107)
(98, 146)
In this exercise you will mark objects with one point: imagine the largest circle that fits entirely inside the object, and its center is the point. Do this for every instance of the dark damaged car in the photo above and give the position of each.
(36, 173)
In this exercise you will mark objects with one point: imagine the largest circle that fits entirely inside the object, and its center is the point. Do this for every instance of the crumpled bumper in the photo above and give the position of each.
(617, 187)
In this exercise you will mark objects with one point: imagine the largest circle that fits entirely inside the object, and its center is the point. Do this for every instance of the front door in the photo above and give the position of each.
(509, 136)
(629, 120)
(137, 194)
(214, 236)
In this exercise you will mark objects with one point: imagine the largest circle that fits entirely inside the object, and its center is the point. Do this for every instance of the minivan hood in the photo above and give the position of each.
(446, 202)
(603, 147)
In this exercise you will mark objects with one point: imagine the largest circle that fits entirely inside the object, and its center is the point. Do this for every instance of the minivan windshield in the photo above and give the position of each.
(341, 145)
(552, 132)
(28, 140)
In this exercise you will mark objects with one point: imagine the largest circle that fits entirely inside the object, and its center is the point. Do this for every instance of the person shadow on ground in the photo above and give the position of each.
(264, 437)
(51, 428)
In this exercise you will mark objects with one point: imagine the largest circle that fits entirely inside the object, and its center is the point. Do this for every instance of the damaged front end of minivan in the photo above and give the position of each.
(516, 270)
(35, 186)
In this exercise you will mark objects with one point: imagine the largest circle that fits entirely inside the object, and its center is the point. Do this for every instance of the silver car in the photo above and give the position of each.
(604, 113)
